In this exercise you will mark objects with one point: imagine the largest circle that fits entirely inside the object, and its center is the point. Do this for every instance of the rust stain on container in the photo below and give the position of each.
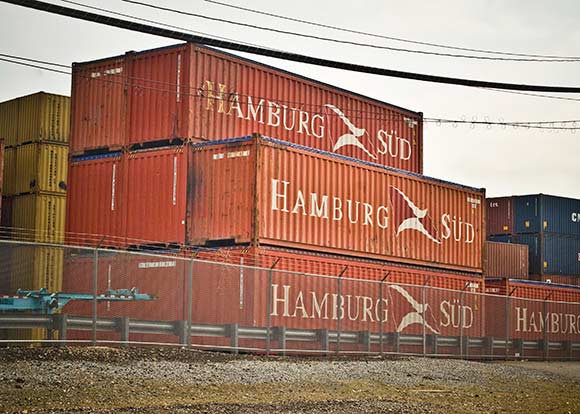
(193, 92)
(271, 193)
(506, 260)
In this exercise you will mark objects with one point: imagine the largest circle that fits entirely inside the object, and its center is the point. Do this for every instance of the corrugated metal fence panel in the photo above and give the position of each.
(157, 196)
(158, 105)
(9, 121)
(500, 215)
(96, 209)
(240, 97)
(506, 260)
(44, 117)
(41, 167)
(316, 202)
(39, 217)
(98, 105)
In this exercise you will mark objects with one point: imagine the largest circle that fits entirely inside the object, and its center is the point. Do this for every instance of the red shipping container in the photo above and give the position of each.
(500, 215)
(537, 310)
(226, 290)
(557, 279)
(265, 192)
(506, 260)
(156, 196)
(189, 92)
(96, 210)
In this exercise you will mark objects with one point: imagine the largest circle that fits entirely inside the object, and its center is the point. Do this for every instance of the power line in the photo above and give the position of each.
(157, 31)
(370, 114)
(346, 42)
(153, 21)
(398, 39)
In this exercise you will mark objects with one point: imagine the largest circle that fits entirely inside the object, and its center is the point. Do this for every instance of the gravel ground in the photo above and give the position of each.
(107, 381)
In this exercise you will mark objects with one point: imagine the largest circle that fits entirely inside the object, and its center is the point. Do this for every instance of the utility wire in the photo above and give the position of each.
(157, 31)
(36, 61)
(398, 39)
(153, 21)
(346, 42)
(515, 124)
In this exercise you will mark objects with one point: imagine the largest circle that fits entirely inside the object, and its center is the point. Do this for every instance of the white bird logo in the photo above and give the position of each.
(418, 316)
(414, 223)
(352, 138)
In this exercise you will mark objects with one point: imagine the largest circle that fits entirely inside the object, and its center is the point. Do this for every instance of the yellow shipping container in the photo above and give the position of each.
(36, 267)
(41, 167)
(9, 179)
(9, 121)
(43, 117)
(39, 217)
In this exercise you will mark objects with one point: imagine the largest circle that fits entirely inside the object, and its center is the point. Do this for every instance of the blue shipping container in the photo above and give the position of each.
(546, 214)
(549, 253)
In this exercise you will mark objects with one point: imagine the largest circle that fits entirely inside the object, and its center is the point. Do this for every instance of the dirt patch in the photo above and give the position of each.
(119, 381)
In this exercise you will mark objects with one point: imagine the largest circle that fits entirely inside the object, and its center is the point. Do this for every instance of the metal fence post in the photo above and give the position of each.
(508, 310)
(269, 306)
(95, 293)
(339, 307)
(189, 301)
(424, 298)
(461, 320)
(546, 350)
(381, 306)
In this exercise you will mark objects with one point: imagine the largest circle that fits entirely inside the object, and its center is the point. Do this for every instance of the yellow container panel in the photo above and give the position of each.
(41, 167)
(9, 175)
(9, 121)
(36, 267)
(39, 217)
(44, 117)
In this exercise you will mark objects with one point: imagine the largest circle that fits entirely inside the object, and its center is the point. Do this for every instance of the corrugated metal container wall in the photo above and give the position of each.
(6, 217)
(239, 97)
(95, 209)
(41, 167)
(9, 121)
(98, 105)
(39, 217)
(9, 188)
(500, 215)
(559, 279)
(1, 174)
(543, 213)
(536, 310)
(551, 254)
(43, 117)
(193, 92)
(34, 268)
(506, 260)
(158, 104)
(274, 194)
(156, 196)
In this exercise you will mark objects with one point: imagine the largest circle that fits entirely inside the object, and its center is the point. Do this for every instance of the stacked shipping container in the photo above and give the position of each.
(548, 225)
(206, 94)
(36, 128)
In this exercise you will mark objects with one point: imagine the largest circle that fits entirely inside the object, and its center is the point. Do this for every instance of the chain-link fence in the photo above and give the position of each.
(174, 298)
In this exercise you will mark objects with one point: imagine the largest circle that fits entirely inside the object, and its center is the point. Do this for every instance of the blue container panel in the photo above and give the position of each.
(551, 254)
(546, 214)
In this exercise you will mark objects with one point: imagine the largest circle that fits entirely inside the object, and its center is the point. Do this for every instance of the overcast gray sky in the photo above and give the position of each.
(504, 160)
